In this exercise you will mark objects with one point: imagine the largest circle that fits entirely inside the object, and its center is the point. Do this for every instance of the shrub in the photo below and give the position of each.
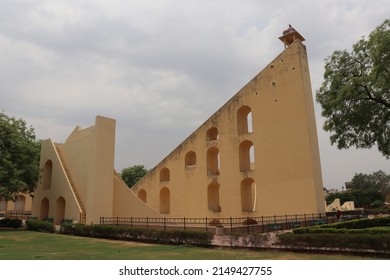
(336, 241)
(12, 223)
(41, 226)
(139, 234)
(361, 223)
(215, 222)
(249, 221)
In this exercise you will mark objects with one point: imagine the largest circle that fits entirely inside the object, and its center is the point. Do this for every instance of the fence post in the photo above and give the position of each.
(206, 224)
(262, 223)
(304, 215)
(147, 222)
(131, 221)
(286, 222)
(247, 227)
(117, 220)
(231, 225)
(184, 221)
(165, 223)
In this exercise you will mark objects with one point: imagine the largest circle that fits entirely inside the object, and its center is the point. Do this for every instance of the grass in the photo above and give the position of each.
(26, 245)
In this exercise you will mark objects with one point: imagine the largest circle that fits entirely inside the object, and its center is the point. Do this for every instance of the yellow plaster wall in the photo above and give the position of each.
(59, 187)
(287, 165)
(127, 204)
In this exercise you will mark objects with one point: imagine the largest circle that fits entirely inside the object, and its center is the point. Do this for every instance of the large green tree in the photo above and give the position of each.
(131, 175)
(19, 157)
(378, 181)
(355, 94)
(365, 189)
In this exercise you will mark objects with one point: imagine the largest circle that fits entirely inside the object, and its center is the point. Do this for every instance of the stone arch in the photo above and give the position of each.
(165, 201)
(212, 134)
(142, 195)
(60, 210)
(248, 195)
(20, 203)
(44, 210)
(190, 159)
(165, 175)
(246, 156)
(244, 120)
(47, 175)
(213, 161)
(213, 200)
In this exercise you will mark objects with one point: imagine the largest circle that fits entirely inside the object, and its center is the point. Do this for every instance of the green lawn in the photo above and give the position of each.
(26, 245)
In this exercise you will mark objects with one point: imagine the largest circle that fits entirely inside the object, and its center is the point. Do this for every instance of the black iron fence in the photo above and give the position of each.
(17, 214)
(226, 225)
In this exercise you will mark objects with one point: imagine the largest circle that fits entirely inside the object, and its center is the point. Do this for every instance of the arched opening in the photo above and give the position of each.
(142, 195)
(165, 201)
(213, 197)
(190, 159)
(44, 212)
(165, 175)
(247, 156)
(47, 174)
(212, 134)
(3, 204)
(244, 120)
(60, 210)
(248, 195)
(213, 161)
(20, 203)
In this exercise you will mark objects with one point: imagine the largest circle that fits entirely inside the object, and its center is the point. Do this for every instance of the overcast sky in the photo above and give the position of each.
(161, 68)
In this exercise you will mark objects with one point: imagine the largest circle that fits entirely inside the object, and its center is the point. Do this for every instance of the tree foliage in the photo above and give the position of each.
(365, 189)
(355, 94)
(131, 175)
(19, 157)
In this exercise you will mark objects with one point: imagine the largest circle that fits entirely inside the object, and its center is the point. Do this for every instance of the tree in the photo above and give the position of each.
(355, 94)
(365, 189)
(378, 181)
(19, 157)
(131, 175)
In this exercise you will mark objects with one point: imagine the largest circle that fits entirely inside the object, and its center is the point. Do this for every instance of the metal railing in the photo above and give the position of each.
(240, 225)
(17, 214)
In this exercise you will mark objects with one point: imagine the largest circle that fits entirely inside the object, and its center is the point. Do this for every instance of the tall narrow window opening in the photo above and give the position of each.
(142, 195)
(165, 201)
(165, 175)
(213, 161)
(244, 120)
(190, 159)
(213, 197)
(44, 211)
(60, 210)
(47, 174)
(247, 156)
(212, 134)
(248, 195)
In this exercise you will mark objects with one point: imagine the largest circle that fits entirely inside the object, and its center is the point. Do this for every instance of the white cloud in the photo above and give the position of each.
(161, 68)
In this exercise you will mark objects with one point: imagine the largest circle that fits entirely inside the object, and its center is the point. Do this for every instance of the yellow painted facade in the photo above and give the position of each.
(22, 203)
(257, 155)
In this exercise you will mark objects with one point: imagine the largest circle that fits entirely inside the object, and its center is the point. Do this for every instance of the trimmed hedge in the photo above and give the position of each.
(41, 226)
(201, 238)
(11, 223)
(318, 229)
(376, 242)
(361, 223)
(360, 226)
